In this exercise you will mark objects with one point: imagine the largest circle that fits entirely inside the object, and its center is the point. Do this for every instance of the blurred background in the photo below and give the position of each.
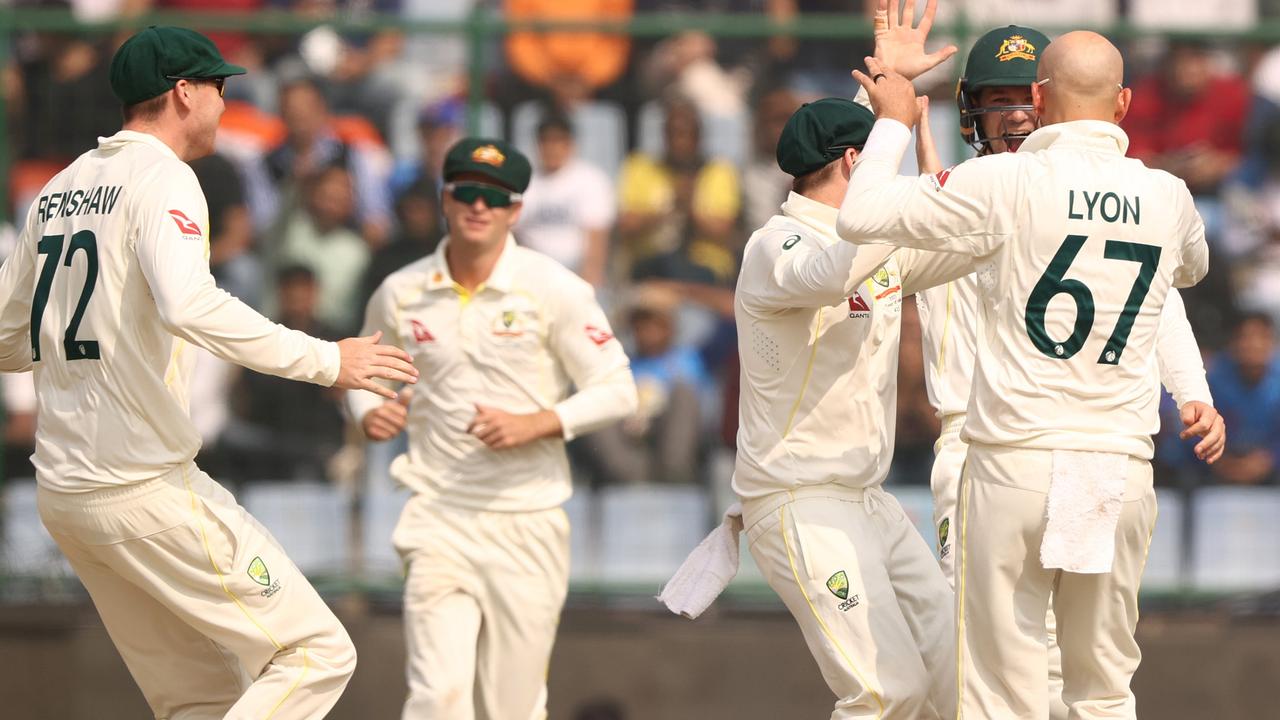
(651, 125)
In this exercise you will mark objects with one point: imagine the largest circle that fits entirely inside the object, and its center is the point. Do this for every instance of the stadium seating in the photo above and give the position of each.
(646, 531)
(1235, 535)
(311, 520)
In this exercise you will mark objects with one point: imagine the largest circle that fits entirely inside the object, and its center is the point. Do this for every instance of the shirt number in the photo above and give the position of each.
(51, 245)
(1053, 283)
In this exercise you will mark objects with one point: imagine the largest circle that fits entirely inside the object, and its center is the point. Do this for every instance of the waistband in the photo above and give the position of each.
(756, 509)
(115, 494)
(952, 422)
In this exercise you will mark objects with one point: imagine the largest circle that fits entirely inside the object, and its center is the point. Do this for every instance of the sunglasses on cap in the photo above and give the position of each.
(219, 82)
(493, 196)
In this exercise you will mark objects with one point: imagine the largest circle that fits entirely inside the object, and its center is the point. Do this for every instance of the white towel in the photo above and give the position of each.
(1086, 493)
(707, 571)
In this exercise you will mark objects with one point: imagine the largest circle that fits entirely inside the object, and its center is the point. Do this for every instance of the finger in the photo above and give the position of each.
(393, 375)
(874, 67)
(406, 395)
(941, 56)
(382, 430)
(395, 411)
(909, 13)
(893, 13)
(376, 389)
(372, 339)
(926, 21)
(391, 351)
(394, 363)
(882, 17)
(488, 433)
(863, 80)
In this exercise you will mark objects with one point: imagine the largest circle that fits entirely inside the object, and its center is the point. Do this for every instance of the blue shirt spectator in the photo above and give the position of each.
(1246, 389)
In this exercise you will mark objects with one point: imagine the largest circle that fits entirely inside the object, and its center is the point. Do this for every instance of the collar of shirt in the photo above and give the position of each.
(1093, 134)
(128, 136)
(819, 217)
(501, 279)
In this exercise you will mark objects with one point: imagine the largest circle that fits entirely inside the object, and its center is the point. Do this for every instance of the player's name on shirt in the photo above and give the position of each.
(98, 200)
(1108, 207)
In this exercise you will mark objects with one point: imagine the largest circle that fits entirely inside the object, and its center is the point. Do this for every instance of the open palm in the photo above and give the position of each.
(900, 46)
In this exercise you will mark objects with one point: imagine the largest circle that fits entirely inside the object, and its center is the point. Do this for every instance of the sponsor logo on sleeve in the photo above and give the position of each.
(186, 226)
(599, 336)
(940, 179)
(420, 332)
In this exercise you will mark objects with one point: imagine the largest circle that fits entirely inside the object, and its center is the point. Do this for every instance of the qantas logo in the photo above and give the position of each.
(596, 335)
(940, 180)
(858, 307)
(185, 226)
(420, 332)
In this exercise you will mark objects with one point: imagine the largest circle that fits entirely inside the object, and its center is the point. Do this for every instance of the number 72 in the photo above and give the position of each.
(1052, 283)
(51, 245)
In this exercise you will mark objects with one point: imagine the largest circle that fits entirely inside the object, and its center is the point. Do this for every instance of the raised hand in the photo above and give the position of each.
(501, 430)
(899, 46)
(927, 158)
(892, 95)
(364, 362)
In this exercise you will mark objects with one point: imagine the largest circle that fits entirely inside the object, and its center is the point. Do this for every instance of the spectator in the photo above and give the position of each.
(678, 213)
(571, 66)
(62, 98)
(418, 210)
(439, 127)
(315, 140)
(1246, 389)
(569, 207)
(764, 184)
(231, 259)
(822, 66)
(686, 65)
(660, 443)
(287, 429)
(320, 235)
(18, 420)
(1189, 119)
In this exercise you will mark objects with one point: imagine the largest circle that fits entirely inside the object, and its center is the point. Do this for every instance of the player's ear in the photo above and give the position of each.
(182, 95)
(1123, 99)
(1037, 98)
(850, 157)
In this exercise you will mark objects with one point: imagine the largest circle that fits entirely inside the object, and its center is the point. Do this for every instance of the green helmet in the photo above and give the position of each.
(1003, 57)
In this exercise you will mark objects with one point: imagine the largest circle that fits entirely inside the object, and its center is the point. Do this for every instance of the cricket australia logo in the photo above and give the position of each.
(944, 534)
(838, 584)
(259, 573)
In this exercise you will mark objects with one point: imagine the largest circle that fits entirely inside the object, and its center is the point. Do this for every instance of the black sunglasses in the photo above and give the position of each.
(493, 196)
(218, 82)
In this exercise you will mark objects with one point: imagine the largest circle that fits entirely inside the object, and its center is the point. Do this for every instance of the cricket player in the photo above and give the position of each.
(498, 332)
(996, 115)
(818, 327)
(105, 295)
(1056, 495)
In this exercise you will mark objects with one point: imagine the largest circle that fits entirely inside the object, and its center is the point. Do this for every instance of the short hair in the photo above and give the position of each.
(146, 110)
(296, 272)
(1253, 316)
(810, 180)
(555, 122)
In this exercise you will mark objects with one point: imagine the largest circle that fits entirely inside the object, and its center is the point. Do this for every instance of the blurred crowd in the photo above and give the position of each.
(654, 162)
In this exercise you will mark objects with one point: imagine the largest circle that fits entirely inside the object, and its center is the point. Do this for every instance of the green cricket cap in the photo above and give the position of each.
(148, 63)
(493, 159)
(1005, 56)
(820, 132)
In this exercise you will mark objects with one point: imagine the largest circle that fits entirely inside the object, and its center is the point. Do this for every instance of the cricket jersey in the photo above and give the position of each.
(948, 322)
(818, 328)
(1079, 247)
(517, 343)
(107, 289)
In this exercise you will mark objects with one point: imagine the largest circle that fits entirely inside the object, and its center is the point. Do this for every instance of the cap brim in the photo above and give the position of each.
(226, 70)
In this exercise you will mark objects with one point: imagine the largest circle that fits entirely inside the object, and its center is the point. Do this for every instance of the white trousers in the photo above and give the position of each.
(948, 464)
(482, 601)
(210, 615)
(1003, 595)
(871, 602)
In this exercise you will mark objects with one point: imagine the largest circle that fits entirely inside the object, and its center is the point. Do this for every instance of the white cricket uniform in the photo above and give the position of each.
(485, 543)
(106, 291)
(818, 329)
(1081, 247)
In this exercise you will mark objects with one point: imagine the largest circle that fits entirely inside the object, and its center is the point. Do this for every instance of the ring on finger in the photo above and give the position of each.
(876, 78)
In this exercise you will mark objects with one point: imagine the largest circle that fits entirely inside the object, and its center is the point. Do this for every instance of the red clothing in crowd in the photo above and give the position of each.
(1158, 122)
